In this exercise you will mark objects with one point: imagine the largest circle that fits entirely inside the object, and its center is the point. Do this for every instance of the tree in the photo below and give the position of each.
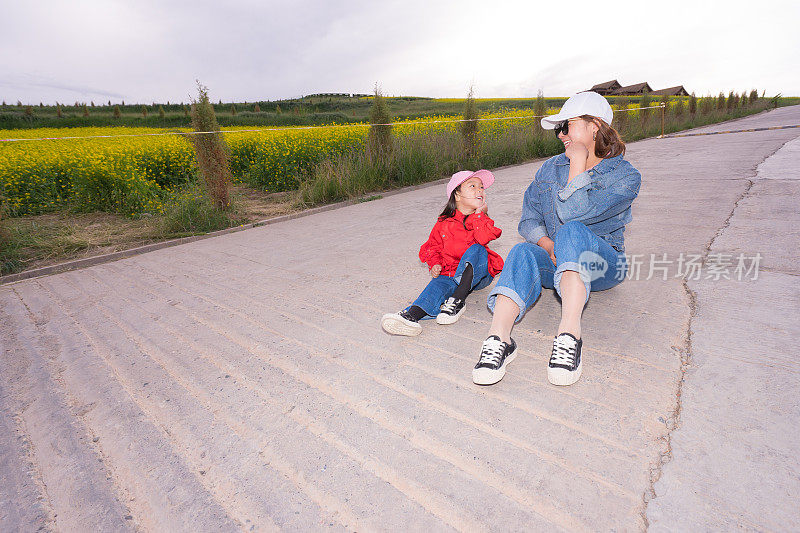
(210, 150)
(256, 108)
(85, 111)
(692, 105)
(161, 113)
(144, 111)
(117, 112)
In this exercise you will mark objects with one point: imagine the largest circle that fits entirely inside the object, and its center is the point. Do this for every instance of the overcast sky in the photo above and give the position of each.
(248, 50)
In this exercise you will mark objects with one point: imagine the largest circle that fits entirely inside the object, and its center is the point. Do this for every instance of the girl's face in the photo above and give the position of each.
(579, 131)
(470, 196)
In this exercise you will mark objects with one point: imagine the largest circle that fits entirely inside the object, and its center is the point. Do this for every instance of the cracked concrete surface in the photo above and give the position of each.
(734, 454)
(243, 381)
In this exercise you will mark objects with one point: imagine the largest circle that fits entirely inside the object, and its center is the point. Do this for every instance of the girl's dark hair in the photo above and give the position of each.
(450, 208)
(608, 143)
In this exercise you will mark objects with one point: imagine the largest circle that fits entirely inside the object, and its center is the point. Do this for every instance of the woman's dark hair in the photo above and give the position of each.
(450, 209)
(608, 143)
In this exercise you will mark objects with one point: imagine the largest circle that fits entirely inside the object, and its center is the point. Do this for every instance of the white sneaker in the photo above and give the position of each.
(565, 361)
(400, 324)
(451, 309)
(495, 356)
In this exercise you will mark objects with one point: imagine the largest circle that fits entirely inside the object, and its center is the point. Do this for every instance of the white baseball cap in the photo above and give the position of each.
(586, 103)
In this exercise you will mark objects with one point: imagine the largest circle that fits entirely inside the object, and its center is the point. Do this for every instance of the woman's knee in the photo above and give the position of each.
(572, 234)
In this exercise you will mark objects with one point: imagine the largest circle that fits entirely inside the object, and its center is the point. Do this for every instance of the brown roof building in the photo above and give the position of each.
(672, 91)
(606, 87)
(629, 90)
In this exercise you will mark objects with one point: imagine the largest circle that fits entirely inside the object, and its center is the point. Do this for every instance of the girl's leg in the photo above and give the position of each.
(585, 263)
(527, 268)
(434, 294)
(472, 271)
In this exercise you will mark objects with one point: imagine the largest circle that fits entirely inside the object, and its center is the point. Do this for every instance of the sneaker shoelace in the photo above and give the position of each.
(492, 352)
(564, 351)
(449, 306)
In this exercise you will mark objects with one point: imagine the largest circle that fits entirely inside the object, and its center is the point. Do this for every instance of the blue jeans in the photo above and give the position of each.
(528, 267)
(442, 287)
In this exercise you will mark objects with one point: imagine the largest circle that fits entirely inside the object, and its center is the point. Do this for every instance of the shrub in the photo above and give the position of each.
(85, 111)
(469, 128)
(210, 150)
(753, 96)
(117, 112)
(59, 113)
(692, 105)
(706, 105)
(721, 101)
(678, 107)
(233, 110)
(256, 109)
(161, 113)
(379, 139)
(144, 111)
(620, 119)
(540, 110)
(644, 114)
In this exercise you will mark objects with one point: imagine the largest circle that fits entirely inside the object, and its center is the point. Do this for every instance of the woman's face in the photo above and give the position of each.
(580, 131)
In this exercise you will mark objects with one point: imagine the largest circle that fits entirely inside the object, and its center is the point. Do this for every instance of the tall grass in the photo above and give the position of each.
(423, 157)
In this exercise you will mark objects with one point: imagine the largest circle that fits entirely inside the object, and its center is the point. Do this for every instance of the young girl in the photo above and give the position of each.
(457, 256)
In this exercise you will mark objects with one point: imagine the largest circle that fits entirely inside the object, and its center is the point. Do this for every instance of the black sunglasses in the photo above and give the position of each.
(562, 127)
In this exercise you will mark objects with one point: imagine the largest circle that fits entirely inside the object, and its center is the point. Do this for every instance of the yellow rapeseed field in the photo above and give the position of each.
(132, 175)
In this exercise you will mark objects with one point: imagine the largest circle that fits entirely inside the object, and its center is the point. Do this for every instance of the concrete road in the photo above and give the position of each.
(243, 382)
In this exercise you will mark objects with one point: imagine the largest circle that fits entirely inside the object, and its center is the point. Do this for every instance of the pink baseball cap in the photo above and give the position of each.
(460, 177)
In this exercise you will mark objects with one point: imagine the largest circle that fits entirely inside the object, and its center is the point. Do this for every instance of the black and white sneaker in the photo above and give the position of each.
(401, 323)
(495, 356)
(451, 309)
(565, 361)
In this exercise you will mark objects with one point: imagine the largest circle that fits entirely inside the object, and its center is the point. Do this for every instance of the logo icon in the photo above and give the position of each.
(593, 266)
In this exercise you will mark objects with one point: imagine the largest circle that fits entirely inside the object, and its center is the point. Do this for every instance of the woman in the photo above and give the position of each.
(573, 218)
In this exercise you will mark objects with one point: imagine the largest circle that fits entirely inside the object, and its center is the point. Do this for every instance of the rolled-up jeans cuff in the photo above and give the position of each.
(575, 267)
(510, 293)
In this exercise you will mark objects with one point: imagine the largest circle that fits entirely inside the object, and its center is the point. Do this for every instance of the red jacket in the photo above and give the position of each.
(451, 237)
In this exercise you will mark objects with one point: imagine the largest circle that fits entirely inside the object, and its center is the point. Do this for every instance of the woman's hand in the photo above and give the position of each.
(578, 156)
(576, 152)
(549, 246)
(436, 270)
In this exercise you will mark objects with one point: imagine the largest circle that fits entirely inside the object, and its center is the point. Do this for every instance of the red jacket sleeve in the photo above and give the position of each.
(431, 250)
(483, 228)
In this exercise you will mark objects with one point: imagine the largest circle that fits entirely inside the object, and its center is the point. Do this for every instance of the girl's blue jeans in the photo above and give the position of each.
(442, 287)
(528, 267)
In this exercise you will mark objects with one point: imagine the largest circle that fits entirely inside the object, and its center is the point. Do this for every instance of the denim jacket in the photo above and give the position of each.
(600, 198)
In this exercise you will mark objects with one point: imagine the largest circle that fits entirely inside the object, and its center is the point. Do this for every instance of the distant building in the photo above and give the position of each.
(672, 91)
(606, 87)
(631, 90)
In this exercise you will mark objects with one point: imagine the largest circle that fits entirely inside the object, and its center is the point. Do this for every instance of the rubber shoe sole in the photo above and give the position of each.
(396, 325)
(487, 376)
(445, 319)
(562, 376)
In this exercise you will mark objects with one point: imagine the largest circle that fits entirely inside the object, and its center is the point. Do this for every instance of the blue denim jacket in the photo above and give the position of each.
(600, 198)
